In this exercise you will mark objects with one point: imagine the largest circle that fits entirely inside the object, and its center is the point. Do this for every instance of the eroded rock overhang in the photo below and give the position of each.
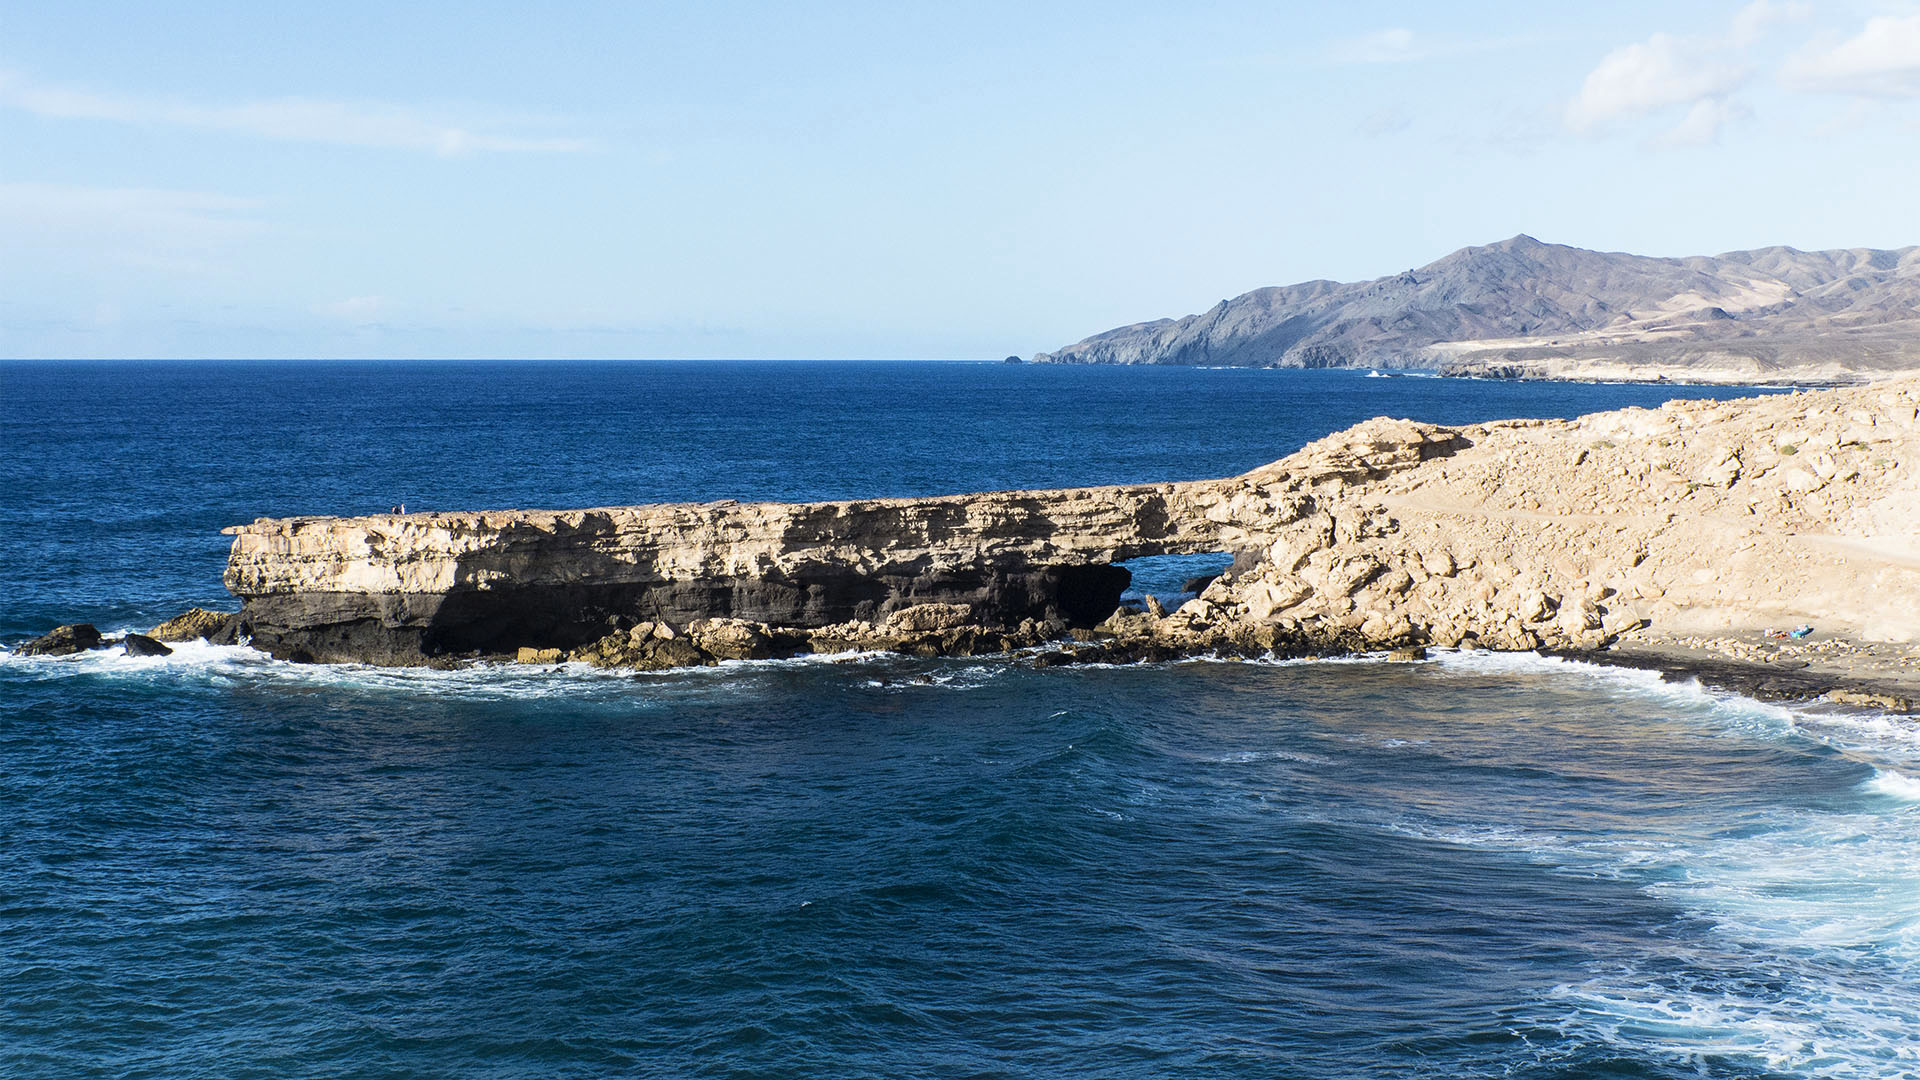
(399, 588)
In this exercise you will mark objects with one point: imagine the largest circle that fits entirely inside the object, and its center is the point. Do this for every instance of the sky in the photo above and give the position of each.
(888, 180)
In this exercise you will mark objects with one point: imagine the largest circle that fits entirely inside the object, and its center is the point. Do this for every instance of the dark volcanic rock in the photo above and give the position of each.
(142, 645)
(63, 641)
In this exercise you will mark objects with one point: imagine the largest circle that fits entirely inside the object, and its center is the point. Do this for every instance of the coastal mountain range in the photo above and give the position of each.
(1526, 309)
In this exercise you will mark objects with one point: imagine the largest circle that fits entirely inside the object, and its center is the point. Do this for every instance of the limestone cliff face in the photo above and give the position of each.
(1698, 516)
(394, 587)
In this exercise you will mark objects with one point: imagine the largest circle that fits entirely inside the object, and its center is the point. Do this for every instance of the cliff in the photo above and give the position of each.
(404, 588)
(399, 588)
(1522, 308)
(1696, 518)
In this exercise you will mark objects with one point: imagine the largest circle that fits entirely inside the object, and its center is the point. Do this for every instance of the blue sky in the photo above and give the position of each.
(734, 180)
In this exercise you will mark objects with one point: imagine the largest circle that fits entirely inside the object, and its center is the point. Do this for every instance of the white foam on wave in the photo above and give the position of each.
(952, 673)
(1893, 785)
(1811, 963)
(1250, 757)
(1819, 916)
(1817, 908)
(1856, 1031)
(200, 663)
(1733, 711)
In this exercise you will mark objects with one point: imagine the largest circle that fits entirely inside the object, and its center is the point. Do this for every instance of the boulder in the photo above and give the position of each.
(1620, 620)
(1197, 585)
(142, 645)
(1870, 699)
(192, 624)
(1266, 598)
(664, 653)
(63, 641)
(732, 639)
(1124, 622)
(618, 650)
(1535, 606)
(539, 656)
(1724, 470)
(921, 618)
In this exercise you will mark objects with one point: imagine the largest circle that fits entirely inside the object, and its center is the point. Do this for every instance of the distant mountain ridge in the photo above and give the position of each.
(1522, 308)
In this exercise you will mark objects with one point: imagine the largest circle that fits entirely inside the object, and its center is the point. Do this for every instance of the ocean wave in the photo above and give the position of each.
(1894, 785)
(1826, 1028)
(201, 663)
(1748, 715)
(1811, 959)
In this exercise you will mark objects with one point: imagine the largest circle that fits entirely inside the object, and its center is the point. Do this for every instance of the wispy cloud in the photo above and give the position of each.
(1694, 85)
(380, 126)
(1881, 61)
(1694, 77)
(1703, 122)
(1752, 22)
(1659, 73)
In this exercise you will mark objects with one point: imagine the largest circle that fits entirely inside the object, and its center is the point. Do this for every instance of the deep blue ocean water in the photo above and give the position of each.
(213, 864)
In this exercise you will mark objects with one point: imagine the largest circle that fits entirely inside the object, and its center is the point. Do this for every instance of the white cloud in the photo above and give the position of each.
(1694, 77)
(1701, 126)
(1698, 79)
(1753, 21)
(294, 119)
(1658, 73)
(1882, 61)
(149, 213)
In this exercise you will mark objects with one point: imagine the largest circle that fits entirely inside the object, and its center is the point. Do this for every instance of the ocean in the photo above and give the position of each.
(213, 864)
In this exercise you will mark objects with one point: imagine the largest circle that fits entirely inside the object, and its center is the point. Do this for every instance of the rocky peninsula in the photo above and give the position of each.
(1525, 309)
(1771, 542)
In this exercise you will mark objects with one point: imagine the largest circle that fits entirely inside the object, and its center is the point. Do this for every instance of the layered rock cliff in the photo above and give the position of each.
(396, 588)
(1695, 517)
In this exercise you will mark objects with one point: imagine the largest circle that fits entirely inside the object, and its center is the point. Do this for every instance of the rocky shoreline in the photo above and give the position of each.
(1684, 538)
(1887, 681)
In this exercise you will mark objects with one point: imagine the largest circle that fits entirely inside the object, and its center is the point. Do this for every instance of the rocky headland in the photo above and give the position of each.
(1771, 543)
(1640, 534)
(1525, 309)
